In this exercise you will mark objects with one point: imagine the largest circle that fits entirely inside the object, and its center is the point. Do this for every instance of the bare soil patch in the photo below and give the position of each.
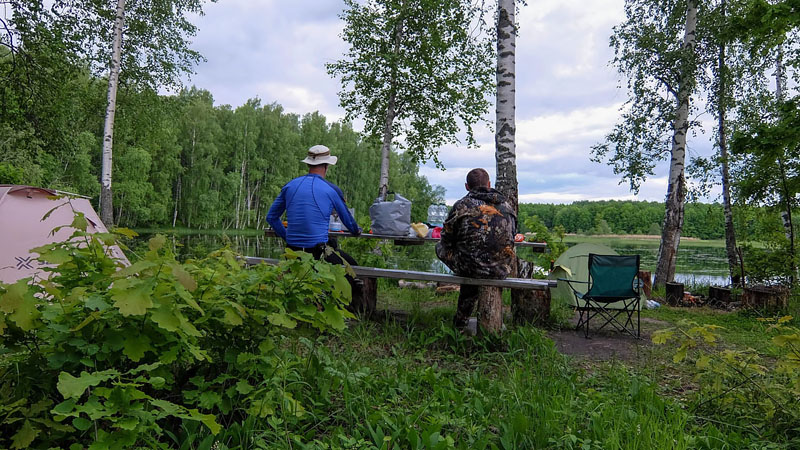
(607, 344)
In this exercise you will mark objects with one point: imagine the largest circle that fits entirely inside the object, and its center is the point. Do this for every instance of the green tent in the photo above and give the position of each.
(573, 264)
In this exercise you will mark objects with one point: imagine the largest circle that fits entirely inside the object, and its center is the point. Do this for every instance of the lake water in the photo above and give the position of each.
(695, 265)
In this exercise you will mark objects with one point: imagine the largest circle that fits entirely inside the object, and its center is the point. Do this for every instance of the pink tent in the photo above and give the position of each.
(22, 228)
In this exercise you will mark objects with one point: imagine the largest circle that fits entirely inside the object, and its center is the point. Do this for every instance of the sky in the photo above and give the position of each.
(567, 95)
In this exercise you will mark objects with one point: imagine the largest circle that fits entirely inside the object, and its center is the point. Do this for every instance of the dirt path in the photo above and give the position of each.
(605, 345)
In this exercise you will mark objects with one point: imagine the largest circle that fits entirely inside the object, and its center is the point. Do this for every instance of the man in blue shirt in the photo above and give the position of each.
(309, 201)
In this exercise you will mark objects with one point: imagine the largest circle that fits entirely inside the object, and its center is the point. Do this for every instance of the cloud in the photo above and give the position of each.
(567, 96)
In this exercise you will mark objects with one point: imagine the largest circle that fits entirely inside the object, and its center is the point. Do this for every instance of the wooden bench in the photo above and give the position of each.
(490, 304)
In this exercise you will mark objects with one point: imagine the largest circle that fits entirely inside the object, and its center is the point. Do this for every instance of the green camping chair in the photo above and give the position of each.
(612, 278)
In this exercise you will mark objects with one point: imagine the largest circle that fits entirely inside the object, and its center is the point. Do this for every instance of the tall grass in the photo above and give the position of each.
(414, 384)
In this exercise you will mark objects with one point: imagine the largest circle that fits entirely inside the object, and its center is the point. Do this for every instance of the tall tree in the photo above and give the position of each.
(106, 202)
(770, 173)
(505, 144)
(722, 139)
(417, 69)
(144, 44)
(661, 68)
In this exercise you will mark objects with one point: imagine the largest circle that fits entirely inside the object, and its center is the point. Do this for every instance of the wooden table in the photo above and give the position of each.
(539, 247)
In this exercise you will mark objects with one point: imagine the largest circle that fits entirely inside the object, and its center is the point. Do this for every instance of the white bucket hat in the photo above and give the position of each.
(319, 154)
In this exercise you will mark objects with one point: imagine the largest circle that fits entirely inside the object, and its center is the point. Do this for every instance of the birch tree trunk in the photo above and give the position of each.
(505, 144)
(106, 201)
(391, 105)
(676, 187)
(241, 176)
(730, 234)
(526, 305)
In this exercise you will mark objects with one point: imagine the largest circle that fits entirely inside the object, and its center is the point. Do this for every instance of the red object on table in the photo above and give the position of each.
(519, 238)
(436, 233)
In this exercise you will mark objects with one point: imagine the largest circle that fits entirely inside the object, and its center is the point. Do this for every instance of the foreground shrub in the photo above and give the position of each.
(748, 392)
(112, 356)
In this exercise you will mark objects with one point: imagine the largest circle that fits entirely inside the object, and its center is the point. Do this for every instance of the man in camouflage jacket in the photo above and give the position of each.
(478, 239)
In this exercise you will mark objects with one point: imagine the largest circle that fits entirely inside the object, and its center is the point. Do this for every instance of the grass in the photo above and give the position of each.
(417, 383)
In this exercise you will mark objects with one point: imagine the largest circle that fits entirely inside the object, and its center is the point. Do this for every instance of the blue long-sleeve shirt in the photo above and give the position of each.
(308, 201)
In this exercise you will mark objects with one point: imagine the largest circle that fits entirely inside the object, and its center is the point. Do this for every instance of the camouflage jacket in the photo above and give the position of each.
(478, 235)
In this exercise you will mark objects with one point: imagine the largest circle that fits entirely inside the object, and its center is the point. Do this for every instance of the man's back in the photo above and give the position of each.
(309, 201)
(478, 235)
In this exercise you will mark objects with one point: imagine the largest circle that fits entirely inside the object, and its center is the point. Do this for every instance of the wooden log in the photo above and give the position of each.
(766, 298)
(490, 309)
(530, 307)
(527, 307)
(674, 293)
(718, 294)
(647, 282)
(364, 300)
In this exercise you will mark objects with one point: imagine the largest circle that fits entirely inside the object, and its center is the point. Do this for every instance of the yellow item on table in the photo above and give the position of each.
(420, 229)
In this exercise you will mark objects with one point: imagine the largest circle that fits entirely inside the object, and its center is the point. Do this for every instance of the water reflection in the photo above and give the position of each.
(695, 265)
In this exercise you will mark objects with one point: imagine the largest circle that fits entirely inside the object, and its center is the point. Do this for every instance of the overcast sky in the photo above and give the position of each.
(567, 95)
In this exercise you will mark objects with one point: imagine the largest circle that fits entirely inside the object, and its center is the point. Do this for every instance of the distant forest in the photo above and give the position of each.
(702, 220)
(179, 159)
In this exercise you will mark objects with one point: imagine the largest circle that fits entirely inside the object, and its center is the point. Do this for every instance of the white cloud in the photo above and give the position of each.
(567, 98)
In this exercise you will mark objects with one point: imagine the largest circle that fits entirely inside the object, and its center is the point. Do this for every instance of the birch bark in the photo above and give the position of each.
(505, 145)
(676, 188)
(106, 201)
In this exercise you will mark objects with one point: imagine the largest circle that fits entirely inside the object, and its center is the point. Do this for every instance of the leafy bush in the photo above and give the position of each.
(744, 389)
(117, 356)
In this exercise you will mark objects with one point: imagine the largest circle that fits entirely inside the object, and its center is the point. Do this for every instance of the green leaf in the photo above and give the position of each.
(281, 320)
(662, 336)
(333, 317)
(165, 318)
(56, 256)
(127, 232)
(71, 387)
(243, 387)
(266, 346)
(13, 298)
(135, 268)
(184, 278)
(782, 340)
(79, 222)
(128, 423)
(20, 303)
(81, 423)
(157, 242)
(209, 399)
(680, 355)
(231, 316)
(135, 346)
(703, 362)
(48, 213)
(132, 297)
(342, 286)
(25, 435)
(207, 419)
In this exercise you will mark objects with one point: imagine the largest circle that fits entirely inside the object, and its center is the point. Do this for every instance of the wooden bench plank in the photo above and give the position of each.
(539, 247)
(373, 272)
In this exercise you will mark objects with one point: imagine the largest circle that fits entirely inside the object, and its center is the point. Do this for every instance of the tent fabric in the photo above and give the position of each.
(573, 264)
(22, 209)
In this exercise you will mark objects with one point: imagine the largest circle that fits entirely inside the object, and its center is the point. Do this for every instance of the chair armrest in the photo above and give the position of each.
(577, 293)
